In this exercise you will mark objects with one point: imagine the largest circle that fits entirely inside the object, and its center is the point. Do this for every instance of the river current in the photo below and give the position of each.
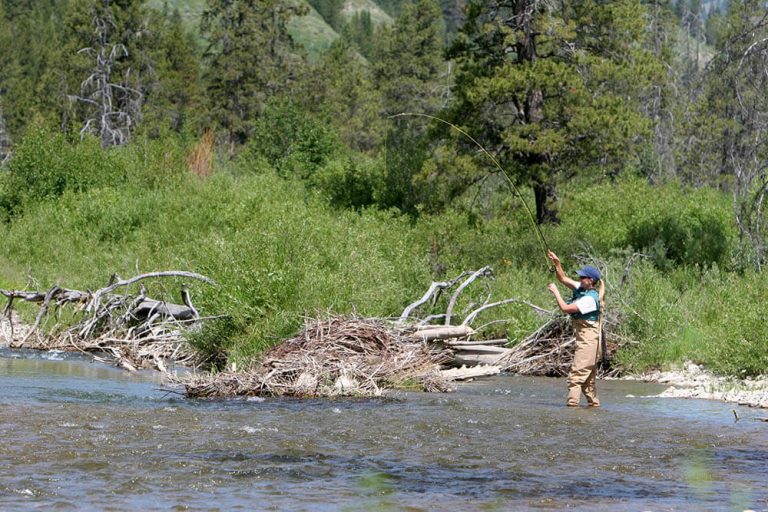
(78, 435)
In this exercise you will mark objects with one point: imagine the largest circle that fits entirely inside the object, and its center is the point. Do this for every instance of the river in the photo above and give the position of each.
(78, 435)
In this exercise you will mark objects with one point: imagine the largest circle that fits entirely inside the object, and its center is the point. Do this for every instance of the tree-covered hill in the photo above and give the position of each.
(310, 30)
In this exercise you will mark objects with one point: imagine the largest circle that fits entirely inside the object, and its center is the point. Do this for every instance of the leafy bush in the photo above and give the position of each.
(292, 141)
(678, 226)
(349, 181)
(691, 236)
(45, 166)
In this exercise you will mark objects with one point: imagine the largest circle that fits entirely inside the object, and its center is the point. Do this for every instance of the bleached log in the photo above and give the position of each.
(96, 297)
(480, 354)
(442, 332)
(457, 344)
(465, 372)
(434, 290)
(470, 317)
(483, 272)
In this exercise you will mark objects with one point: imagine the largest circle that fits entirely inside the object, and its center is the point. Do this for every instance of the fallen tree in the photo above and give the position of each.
(131, 330)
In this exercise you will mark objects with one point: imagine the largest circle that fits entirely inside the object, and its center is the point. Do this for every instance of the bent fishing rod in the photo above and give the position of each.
(540, 236)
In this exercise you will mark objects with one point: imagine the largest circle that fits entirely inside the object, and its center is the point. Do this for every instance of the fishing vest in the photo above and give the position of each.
(593, 316)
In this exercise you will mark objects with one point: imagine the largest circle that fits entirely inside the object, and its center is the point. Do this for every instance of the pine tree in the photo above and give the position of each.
(551, 89)
(410, 73)
(5, 141)
(728, 129)
(330, 11)
(360, 31)
(172, 91)
(250, 58)
(340, 88)
(30, 39)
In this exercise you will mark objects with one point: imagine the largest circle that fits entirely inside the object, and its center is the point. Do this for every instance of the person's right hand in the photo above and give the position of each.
(552, 256)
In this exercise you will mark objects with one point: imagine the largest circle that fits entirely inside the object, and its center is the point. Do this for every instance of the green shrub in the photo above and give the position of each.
(45, 166)
(349, 181)
(292, 141)
(676, 226)
(692, 236)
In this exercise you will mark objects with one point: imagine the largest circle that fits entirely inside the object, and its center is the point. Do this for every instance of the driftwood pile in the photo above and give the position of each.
(335, 356)
(549, 351)
(331, 356)
(352, 356)
(131, 330)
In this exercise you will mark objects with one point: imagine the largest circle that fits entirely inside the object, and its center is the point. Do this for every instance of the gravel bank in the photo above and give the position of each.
(693, 381)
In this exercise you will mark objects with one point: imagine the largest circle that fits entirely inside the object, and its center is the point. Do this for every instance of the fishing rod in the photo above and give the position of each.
(542, 241)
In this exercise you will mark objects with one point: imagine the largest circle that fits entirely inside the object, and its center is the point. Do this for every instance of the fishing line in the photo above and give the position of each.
(542, 241)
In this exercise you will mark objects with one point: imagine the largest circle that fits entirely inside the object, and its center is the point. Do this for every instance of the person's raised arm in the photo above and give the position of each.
(560, 273)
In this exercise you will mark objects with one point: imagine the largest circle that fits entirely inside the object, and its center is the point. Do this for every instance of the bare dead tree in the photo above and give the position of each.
(114, 108)
(746, 149)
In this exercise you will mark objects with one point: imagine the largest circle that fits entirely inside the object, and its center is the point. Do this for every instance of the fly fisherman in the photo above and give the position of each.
(584, 308)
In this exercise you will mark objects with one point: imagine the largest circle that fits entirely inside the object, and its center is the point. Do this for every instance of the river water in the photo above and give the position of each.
(77, 435)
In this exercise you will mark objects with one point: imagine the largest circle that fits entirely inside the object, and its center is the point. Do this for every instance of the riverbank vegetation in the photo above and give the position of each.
(288, 182)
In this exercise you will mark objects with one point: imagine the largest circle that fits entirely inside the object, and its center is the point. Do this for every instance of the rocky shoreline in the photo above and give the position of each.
(693, 381)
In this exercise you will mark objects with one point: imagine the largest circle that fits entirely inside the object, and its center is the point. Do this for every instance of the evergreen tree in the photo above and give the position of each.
(409, 62)
(330, 11)
(409, 72)
(360, 30)
(30, 39)
(552, 90)
(172, 94)
(340, 88)
(5, 42)
(250, 58)
(5, 141)
(663, 104)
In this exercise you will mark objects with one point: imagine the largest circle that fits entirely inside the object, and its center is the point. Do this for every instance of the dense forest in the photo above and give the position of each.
(341, 155)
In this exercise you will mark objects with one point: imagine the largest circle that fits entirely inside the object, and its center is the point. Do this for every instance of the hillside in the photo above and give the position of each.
(310, 31)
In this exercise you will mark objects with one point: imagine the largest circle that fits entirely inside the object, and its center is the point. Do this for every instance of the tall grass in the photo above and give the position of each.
(279, 251)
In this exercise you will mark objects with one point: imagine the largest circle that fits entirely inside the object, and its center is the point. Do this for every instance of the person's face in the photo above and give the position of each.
(586, 282)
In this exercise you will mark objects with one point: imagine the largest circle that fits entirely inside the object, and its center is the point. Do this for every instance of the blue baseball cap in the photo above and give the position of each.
(589, 271)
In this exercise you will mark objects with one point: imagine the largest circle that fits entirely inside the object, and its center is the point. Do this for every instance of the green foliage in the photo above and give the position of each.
(330, 10)
(554, 92)
(250, 58)
(350, 181)
(294, 143)
(339, 88)
(359, 30)
(409, 60)
(172, 92)
(713, 318)
(45, 166)
(30, 37)
(694, 237)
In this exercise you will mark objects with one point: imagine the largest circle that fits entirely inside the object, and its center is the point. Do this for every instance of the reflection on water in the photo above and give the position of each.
(77, 435)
